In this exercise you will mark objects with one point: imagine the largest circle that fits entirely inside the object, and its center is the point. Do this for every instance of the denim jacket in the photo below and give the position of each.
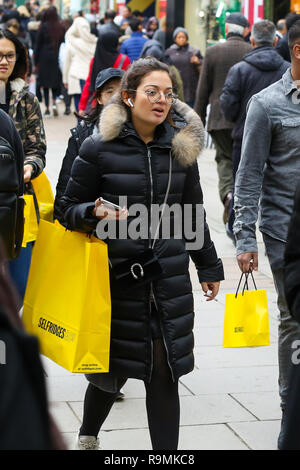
(270, 164)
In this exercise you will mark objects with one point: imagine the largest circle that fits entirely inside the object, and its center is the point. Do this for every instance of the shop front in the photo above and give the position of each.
(205, 20)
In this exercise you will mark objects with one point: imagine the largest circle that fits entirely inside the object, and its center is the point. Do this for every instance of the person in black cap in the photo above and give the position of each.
(107, 83)
(217, 62)
(240, 20)
(237, 19)
(106, 55)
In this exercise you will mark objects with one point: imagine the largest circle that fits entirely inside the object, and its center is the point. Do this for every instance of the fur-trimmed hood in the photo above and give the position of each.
(18, 85)
(187, 143)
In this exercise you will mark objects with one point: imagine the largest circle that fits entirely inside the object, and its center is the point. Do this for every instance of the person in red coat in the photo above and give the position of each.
(106, 56)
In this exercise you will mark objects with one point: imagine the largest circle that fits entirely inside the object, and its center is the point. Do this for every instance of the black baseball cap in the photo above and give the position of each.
(237, 18)
(106, 75)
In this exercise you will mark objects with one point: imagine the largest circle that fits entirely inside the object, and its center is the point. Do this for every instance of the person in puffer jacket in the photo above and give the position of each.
(134, 155)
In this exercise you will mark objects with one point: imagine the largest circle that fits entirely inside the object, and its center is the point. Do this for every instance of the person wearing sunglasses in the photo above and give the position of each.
(142, 154)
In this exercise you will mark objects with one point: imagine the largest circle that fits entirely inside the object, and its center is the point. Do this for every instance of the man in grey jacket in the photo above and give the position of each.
(217, 62)
(266, 181)
(259, 68)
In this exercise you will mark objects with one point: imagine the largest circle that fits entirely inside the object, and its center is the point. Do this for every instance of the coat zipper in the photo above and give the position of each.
(151, 284)
(150, 228)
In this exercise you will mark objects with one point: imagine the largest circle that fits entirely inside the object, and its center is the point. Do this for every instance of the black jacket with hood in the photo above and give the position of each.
(258, 69)
(118, 162)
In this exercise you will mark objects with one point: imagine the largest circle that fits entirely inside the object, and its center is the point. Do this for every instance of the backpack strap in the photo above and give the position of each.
(120, 61)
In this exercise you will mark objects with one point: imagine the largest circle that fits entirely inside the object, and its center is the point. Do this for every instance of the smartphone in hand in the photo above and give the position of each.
(109, 204)
(110, 211)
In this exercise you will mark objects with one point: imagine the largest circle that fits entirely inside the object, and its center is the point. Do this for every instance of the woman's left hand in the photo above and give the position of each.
(213, 287)
(28, 170)
(195, 60)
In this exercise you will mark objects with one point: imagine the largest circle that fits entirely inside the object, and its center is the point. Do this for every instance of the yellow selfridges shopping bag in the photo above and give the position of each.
(67, 300)
(246, 321)
(39, 204)
(44, 195)
(31, 226)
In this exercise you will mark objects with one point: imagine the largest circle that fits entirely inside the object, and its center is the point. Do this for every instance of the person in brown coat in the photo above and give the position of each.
(217, 62)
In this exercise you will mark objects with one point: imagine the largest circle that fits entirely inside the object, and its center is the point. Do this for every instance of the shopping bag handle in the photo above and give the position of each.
(246, 283)
(29, 189)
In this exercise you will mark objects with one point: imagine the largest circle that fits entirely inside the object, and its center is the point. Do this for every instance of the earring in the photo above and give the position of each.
(130, 102)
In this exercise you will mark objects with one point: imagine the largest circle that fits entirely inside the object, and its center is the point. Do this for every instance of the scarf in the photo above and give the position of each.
(105, 56)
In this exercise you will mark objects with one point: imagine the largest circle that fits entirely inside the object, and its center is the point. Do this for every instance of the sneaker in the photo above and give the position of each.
(121, 395)
(54, 109)
(87, 443)
(47, 113)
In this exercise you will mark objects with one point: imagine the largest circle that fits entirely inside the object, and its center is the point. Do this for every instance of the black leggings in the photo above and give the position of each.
(46, 95)
(162, 403)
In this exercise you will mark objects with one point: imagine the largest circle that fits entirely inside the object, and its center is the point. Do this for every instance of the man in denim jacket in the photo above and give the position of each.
(266, 181)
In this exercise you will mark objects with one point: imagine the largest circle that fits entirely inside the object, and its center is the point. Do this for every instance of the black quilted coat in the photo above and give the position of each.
(118, 162)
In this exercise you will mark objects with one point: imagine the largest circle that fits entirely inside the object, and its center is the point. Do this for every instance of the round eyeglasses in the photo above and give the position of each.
(10, 57)
(154, 96)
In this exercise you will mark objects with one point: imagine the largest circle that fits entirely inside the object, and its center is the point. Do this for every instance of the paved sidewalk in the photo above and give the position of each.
(230, 401)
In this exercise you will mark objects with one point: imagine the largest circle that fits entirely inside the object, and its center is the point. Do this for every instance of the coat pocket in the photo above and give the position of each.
(291, 130)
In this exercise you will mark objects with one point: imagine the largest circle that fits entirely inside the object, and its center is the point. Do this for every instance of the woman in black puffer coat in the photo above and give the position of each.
(152, 326)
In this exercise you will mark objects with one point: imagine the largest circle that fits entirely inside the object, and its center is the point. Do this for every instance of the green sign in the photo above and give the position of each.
(222, 11)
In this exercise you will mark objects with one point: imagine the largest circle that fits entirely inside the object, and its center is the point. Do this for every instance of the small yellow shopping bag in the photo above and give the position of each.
(246, 321)
(31, 226)
(44, 195)
(67, 300)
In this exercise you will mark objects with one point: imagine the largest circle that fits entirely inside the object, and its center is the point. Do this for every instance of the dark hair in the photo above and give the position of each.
(294, 35)
(137, 13)
(135, 24)
(110, 14)
(138, 70)
(22, 63)
(56, 29)
(92, 116)
(94, 113)
(290, 19)
(12, 22)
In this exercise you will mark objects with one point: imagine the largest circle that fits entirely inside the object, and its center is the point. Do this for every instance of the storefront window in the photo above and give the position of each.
(205, 20)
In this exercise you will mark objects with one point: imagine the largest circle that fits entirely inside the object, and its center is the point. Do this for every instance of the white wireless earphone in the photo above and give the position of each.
(130, 102)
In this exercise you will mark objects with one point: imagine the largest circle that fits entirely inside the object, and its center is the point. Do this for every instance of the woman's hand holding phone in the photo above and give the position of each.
(107, 210)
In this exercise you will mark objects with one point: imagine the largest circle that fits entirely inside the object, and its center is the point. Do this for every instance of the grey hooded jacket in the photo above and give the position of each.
(270, 164)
